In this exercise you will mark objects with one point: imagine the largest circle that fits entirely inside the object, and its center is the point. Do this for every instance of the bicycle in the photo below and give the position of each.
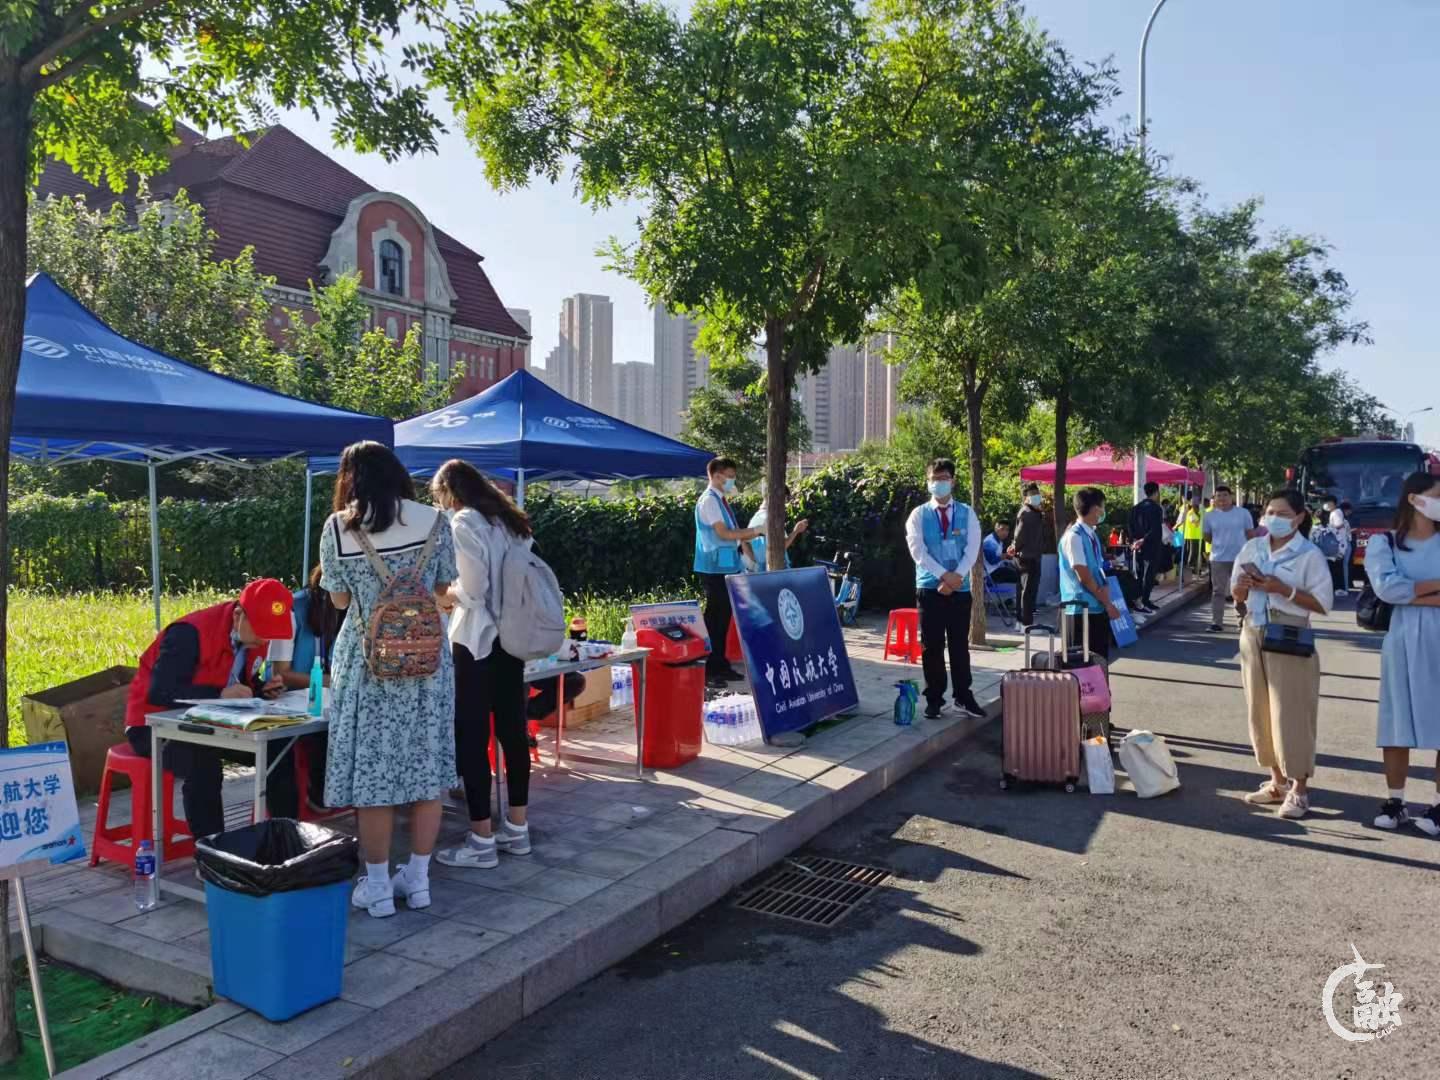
(845, 584)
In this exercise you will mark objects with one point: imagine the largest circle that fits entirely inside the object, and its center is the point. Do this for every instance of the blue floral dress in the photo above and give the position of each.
(392, 741)
(1410, 659)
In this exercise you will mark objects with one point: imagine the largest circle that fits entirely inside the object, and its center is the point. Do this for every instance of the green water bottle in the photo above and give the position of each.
(317, 687)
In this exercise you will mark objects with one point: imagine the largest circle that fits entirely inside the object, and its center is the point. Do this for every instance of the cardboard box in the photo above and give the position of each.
(88, 714)
(591, 702)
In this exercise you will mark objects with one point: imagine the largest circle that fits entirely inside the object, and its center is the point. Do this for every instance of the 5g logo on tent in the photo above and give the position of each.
(51, 350)
(1375, 1015)
(447, 419)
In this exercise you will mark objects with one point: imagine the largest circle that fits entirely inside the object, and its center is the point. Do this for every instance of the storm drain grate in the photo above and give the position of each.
(814, 891)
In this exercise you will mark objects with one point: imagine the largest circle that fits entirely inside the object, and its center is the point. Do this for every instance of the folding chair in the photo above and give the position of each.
(1002, 599)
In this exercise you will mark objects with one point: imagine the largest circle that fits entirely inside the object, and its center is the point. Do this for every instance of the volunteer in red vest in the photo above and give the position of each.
(207, 654)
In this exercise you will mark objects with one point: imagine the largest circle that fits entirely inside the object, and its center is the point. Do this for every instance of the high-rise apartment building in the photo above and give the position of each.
(585, 371)
(679, 369)
(880, 390)
(635, 394)
(832, 400)
(522, 317)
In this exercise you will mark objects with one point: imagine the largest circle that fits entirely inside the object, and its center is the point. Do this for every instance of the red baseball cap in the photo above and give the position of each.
(267, 604)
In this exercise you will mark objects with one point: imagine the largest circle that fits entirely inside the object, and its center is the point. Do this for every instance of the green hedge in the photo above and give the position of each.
(622, 547)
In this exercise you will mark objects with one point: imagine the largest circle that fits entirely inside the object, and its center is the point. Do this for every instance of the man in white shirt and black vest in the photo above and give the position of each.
(944, 540)
(717, 553)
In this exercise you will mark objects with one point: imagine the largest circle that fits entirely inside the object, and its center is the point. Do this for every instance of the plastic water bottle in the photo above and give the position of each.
(147, 892)
(617, 686)
(317, 687)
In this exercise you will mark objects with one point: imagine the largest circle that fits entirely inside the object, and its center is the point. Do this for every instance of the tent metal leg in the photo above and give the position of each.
(305, 538)
(155, 544)
(520, 488)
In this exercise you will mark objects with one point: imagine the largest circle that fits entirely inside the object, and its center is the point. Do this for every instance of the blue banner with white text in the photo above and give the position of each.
(794, 650)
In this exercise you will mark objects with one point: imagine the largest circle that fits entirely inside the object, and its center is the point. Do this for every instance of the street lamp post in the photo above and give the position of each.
(1144, 122)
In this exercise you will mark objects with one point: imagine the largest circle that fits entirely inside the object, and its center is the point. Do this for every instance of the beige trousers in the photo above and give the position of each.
(1219, 590)
(1282, 694)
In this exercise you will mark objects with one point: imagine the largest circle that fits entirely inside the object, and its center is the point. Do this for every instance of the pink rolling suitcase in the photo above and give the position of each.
(1040, 723)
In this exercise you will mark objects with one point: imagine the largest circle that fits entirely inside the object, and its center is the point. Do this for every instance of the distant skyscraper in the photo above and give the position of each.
(832, 400)
(679, 369)
(522, 316)
(559, 369)
(880, 389)
(635, 394)
(587, 349)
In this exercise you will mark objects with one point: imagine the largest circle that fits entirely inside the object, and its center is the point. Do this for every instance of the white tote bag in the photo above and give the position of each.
(1099, 768)
(1146, 758)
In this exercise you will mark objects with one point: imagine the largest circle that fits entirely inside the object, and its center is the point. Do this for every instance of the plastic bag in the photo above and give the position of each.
(1146, 758)
(279, 855)
(905, 702)
(1099, 768)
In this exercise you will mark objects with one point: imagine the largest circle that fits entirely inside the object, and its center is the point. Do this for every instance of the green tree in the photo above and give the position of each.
(74, 81)
(785, 153)
(728, 416)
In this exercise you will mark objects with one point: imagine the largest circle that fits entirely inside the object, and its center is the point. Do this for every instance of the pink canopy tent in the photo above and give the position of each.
(1104, 465)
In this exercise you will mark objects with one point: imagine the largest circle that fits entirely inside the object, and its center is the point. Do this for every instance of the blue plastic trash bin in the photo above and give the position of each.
(277, 897)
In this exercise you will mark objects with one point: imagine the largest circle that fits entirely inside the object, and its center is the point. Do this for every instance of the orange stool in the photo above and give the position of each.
(732, 645)
(118, 843)
(902, 635)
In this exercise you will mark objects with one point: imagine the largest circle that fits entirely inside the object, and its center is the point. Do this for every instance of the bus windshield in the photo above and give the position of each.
(1368, 476)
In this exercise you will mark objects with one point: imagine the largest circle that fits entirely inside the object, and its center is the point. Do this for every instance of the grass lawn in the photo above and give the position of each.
(88, 1017)
(55, 638)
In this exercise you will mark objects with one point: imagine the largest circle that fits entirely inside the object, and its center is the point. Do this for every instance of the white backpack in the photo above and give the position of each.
(532, 608)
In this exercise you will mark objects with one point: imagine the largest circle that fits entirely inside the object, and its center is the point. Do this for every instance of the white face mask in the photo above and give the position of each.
(1429, 505)
(1278, 527)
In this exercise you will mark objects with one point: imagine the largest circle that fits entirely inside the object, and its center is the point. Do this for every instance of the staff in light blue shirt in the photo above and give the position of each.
(754, 553)
(1082, 569)
(717, 554)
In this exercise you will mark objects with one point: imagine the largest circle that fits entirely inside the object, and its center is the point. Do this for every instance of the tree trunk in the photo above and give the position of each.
(15, 103)
(1062, 454)
(777, 447)
(973, 403)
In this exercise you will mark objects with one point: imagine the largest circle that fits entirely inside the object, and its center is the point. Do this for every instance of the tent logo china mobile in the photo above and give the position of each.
(792, 616)
(1376, 1013)
(51, 350)
(555, 421)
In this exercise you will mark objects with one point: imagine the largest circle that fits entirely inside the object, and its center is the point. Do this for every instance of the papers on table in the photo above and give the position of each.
(251, 714)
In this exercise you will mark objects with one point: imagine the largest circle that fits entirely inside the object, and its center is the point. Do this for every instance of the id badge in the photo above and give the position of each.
(949, 551)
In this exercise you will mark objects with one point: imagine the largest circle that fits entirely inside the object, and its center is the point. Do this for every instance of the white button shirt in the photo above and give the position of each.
(1298, 563)
(915, 540)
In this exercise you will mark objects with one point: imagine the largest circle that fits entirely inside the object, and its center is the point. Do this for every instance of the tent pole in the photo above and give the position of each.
(520, 488)
(155, 546)
(305, 538)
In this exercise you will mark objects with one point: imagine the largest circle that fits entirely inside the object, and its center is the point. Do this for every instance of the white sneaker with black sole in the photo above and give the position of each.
(477, 853)
(513, 839)
(1392, 814)
(1429, 822)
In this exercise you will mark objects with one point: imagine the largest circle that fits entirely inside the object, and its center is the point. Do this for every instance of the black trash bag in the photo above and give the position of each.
(278, 855)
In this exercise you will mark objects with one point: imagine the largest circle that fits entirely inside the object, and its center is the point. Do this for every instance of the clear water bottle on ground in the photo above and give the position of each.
(147, 891)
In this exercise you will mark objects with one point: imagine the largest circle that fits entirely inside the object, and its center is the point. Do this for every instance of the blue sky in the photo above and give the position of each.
(1328, 109)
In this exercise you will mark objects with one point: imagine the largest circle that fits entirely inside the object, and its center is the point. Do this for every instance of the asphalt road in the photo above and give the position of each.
(1043, 934)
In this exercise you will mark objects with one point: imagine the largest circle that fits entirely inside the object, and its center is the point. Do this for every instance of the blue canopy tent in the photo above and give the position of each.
(87, 393)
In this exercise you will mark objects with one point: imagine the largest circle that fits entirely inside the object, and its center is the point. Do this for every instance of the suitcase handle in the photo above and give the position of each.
(1036, 628)
(1065, 617)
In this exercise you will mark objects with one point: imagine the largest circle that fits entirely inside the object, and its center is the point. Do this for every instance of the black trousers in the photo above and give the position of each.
(717, 621)
(1005, 574)
(1101, 636)
(944, 626)
(1339, 576)
(494, 686)
(1193, 554)
(1147, 567)
(201, 772)
(1029, 589)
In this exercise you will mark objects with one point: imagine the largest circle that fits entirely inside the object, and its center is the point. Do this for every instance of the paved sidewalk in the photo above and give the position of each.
(617, 862)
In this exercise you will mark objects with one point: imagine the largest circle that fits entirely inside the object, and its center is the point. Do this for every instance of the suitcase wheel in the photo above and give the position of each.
(1069, 788)
(1004, 783)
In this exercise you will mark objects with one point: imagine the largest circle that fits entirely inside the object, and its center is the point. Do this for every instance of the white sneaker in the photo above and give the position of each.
(1295, 806)
(1429, 822)
(376, 898)
(1392, 814)
(416, 897)
(513, 839)
(475, 854)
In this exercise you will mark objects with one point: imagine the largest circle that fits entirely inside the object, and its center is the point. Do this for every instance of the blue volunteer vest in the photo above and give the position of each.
(934, 542)
(757, 546)
(1070, 587)
(713, 555)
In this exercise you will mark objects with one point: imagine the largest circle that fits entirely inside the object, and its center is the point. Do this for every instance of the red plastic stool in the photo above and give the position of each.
(732, 645)
(118, 843)
(902, 634)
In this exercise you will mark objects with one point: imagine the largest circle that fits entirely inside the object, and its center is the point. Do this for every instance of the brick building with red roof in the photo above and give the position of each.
(310, 219)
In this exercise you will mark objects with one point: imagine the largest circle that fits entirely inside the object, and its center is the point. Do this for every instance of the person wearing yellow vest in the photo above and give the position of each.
(717, 553)
(1190, 525)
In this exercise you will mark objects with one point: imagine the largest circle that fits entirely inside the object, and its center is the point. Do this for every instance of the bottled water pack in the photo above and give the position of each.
(731, 720)
(622, 686)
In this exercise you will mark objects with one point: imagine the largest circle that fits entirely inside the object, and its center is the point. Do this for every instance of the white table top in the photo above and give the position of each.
(620, 656)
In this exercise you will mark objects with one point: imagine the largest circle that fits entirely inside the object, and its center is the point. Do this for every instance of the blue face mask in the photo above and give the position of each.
(940, 488)
(1278, 527)
(729, 485)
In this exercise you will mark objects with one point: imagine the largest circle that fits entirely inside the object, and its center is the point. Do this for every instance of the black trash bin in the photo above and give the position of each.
(277, 898)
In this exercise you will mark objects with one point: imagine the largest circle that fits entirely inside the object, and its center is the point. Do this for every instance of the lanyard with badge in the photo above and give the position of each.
(949, 548)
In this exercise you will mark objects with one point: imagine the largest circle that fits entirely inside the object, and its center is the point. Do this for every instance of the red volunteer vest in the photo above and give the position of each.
(217, 657)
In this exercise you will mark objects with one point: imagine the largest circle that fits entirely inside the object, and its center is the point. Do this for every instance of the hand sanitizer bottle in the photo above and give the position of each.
(317, 687)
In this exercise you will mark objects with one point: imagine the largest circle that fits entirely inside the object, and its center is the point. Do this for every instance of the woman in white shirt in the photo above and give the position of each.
(488, 680)
(1282, 578)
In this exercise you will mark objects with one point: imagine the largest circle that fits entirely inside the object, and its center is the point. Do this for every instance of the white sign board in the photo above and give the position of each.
(684, 613)
(39, 820)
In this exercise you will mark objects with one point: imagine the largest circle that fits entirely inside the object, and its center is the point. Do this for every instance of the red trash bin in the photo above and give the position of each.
(674, 695)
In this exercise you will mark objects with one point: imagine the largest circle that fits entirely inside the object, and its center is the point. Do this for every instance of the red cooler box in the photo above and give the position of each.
(674, 695)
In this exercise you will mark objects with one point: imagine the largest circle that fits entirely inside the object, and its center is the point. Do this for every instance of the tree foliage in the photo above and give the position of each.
(728, 415)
